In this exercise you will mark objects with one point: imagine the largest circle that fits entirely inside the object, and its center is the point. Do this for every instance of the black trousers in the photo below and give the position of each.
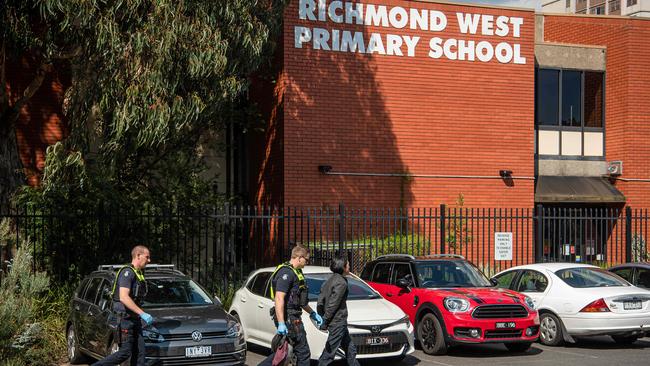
(131, 345)
(298, 340)
(339, 337)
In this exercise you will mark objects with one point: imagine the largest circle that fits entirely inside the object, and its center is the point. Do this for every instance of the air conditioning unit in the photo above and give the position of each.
(615, 168)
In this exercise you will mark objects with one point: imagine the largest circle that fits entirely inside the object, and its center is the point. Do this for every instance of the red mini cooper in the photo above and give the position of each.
(450, 301)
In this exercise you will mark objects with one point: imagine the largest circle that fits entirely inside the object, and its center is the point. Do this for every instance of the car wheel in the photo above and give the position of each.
(74, 354)
(550, 330)
(430, 335)
(625, 340)
(518, 347)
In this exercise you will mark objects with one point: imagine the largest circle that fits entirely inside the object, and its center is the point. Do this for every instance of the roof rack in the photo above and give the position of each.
(444, 256)
(395, 256)
(149, 266)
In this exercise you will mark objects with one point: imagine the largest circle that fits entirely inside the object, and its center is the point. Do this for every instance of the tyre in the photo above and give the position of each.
(625, 340)
(518, 347)
(74, 354)
(550, 330)
(430, 335)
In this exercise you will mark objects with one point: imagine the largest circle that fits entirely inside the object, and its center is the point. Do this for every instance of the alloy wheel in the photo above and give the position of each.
(72, 344)
(548, 331)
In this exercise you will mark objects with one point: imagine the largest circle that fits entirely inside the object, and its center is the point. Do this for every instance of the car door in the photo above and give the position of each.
(380, 280)
(78, 307)
(264, 305)
(86, 326)
(249, 304)
(404, 298)
(98, 313)
(533, 284)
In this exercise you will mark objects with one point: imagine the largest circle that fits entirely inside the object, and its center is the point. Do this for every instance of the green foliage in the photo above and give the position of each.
(413, 244)
(21, 334)
(226, 294)
(458, 233)
(639, 248)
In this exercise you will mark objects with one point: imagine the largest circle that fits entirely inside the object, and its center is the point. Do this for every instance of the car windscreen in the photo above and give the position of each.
(456, 273)
(167, 292)
(584, 277)
(357, 289)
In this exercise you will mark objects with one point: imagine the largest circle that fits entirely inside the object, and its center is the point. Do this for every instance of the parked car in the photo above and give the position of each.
(581, 300)
(190, 327)
(450, 302)
(637, 274)
(378, 328)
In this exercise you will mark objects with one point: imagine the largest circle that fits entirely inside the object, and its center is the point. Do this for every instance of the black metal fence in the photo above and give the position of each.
(219, 246)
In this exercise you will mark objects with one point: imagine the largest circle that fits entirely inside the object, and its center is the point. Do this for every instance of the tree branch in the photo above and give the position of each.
(11, 114)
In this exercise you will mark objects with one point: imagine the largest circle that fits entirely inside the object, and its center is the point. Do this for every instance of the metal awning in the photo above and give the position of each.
(554, 189)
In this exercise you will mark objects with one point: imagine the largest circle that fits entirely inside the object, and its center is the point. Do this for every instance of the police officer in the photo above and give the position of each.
(129, 288)
(289, 291)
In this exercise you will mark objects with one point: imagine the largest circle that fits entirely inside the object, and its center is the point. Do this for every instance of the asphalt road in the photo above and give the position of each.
(593, 351)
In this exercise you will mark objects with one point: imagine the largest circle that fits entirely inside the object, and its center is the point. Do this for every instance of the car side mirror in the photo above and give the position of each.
(404, 283)
(494, 282)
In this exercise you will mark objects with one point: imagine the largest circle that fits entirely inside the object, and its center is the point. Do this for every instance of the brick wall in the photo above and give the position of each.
(627, 110)
(396, 114)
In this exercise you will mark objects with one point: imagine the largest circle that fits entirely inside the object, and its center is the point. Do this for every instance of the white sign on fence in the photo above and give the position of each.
(503, 246)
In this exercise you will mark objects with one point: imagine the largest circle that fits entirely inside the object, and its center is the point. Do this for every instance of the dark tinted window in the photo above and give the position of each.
(104, 292)
(381, 274)
(643, 278)
(260, 282)
(589, 277)
(571, 98)
(93, 289)
(435, 274)
(400, 270)
(626, 273)
(593, 99)
(532, 281)
(367, 272)
(505, 279)
(82, 288)
(548, 87)
(357, 289)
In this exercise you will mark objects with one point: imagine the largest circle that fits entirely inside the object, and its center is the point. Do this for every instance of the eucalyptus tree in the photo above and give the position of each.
(149, 80)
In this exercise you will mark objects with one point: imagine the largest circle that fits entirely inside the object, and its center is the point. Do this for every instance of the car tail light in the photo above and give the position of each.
(597, 306)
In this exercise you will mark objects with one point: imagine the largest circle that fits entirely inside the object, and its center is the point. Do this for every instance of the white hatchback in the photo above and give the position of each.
(378, 328)
(580, 300)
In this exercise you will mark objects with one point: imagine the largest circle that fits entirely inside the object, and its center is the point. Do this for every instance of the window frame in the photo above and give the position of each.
(560, 128)
(390, 272)
(256, 278)
(521, 275)
(393, 280)
(515, 278)
(89, 286)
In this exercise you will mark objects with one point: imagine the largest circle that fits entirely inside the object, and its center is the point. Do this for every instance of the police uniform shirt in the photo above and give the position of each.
(286, 281)
(126, 279)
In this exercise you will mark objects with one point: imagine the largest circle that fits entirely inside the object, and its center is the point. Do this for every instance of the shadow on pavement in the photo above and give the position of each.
(605, 342)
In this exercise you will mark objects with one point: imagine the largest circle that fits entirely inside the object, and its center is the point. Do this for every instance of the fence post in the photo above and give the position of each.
(226, 243)
(443, 210)
(538, 224)
(341, 227)
(628, 234)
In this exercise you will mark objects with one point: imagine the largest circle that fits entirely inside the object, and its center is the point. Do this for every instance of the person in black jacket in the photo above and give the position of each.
(332, 302)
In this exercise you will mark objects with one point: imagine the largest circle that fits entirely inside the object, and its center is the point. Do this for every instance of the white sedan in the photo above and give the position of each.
(378, 328)
(580, 300)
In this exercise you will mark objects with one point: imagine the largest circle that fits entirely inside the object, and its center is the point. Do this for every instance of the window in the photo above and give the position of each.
(103, 291)
(567, 4)
(532, 281)
(631, 2)
(569, 108)
(589, 277)
(505, 279)
(598, 10)
(357, 289)
(625, 273)
(400, 270)
(381, 273)
(82, 288)
(643, 278)
(93, 289)
(614, 6)
(259, 283)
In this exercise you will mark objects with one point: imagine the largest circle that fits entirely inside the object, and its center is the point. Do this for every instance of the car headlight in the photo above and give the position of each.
(529, 302)
(152, 336)
(456, 304)
(234, 330)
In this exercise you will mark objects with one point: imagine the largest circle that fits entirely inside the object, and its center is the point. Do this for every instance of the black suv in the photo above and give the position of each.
(190, 327)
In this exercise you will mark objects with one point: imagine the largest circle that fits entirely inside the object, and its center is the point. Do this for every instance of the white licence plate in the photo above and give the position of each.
(376, 341)
(505, 325)
(199, 351)
(631, 305)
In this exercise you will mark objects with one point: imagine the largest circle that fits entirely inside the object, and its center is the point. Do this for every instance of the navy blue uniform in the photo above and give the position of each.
(286, 281)
(130, 328)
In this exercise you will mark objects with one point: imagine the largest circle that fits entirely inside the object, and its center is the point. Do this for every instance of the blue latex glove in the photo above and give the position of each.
(282, 329)
(148, 319)
(317, 318)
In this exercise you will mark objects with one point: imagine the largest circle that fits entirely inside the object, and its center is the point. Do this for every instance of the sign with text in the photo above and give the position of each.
(503, 246)
(482, 35)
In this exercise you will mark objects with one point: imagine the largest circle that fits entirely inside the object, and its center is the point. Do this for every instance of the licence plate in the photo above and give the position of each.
(631, 305)
(376, 341)
(199, 351)
(505, 325)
